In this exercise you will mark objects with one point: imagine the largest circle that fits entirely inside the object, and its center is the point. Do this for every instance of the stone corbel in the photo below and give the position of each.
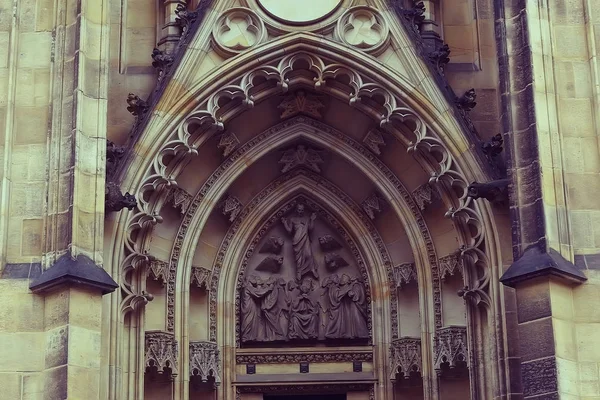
(424, 195)
(159, 271)
(405, 357)
(450, 264)
(230, 207)
(373, 205)
(451, 350)
(161, 352)
(205, 361)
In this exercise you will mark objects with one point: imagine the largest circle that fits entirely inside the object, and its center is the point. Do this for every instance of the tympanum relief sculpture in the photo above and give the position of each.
(303, 285)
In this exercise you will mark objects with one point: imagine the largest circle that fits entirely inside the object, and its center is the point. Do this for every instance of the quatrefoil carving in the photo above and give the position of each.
(363, 27)
(238, 29)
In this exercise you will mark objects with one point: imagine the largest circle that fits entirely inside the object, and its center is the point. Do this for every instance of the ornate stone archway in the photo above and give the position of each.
(433, 140)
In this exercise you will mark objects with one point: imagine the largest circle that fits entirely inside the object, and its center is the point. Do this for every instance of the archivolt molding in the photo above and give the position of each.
(361, 91)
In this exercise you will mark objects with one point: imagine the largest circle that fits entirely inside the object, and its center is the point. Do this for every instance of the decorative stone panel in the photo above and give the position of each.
(237, 30)
(161, 351)
(449, 265)
(424, 196)
(451, 347)
(373, 205)
(405, 354)
(205, 361)
(364, 28)
(200, 277)
(404, 273)
(159, 270)
(180, 199)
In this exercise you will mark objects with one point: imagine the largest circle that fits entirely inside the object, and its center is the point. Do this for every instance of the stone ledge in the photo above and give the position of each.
(79, 271)
(354, 377)
(533, 263)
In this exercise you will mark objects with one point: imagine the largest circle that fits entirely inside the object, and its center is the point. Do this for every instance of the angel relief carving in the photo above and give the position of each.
(299, 296)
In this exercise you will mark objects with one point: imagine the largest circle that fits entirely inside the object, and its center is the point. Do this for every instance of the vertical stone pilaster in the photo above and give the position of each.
(545, 324)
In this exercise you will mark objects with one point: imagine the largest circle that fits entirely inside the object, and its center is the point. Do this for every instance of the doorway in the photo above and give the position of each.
(306, 397)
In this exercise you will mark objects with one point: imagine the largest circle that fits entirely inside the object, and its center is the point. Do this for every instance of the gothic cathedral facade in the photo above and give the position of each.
(300, 199)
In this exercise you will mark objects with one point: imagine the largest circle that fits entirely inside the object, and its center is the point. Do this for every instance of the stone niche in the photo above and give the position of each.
(303, 283)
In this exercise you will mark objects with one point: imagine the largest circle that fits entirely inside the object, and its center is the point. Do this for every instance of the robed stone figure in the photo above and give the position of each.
(304, 313)
(299, 226)
(347, 308)
(263, 309)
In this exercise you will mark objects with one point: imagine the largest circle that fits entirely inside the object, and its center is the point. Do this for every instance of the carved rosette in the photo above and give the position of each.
(451, 347)
(238, 29)
(161, 351)
(364, 28)
(405, 273)
(449, 265)
(200, 277)
(405, 356)
(205, 361)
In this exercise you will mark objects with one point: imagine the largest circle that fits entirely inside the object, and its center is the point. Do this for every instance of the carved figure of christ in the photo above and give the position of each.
(299, 226)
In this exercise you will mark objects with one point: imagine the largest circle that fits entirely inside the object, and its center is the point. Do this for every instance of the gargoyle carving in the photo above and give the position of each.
(493, 148)
(114, 154)
(115, 200)
(161, 61)
(440, 57)
(415, 15)
(495, 192)
(467, 101)
(186, 18)
(136, 106)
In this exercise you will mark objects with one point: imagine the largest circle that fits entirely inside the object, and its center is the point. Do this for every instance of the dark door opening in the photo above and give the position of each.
(306, 397)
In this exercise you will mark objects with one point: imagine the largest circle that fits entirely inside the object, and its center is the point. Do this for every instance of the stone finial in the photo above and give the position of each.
(467, 102)
(440, 57)
(161, 351)
(405, 357)
(302, 156)
(136, 106)
(115, 200)
(205, 361)
(451, 349)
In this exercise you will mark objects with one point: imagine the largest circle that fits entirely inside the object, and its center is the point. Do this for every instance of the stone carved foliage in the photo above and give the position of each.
(302, 156)
(161, 352)
(374, 140)
(424, 195)
(405, 273)
(373, 205)
(228, 143)
(449, 265)
(230, 207)
(383, 105)
(161, 62)
(180, 199)
(405, 356)
(362, 27)
(205, 361)
(159, 270)
(294, 358)
(200, 277)
(451, 349)
(301, 102)
(238, 29)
